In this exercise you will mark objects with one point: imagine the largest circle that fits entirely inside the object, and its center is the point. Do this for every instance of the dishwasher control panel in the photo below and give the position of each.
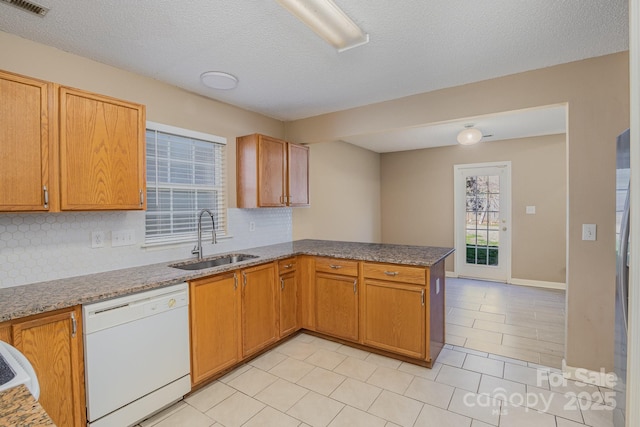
(109, 313)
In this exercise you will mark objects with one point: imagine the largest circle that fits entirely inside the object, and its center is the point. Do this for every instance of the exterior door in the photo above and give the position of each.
(483, 220)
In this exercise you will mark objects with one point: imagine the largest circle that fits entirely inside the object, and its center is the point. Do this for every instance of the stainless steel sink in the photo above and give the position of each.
(213, 262)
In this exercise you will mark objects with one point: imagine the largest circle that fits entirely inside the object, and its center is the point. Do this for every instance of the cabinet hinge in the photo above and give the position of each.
(74, 325)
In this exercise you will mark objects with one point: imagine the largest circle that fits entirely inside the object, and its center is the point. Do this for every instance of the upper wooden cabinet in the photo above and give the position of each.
(80, 152)
(25, 143)
(271, 172)
(102, 152)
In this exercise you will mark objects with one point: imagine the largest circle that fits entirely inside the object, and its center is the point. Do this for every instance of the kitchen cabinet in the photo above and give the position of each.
(394, 309)
(26, 131)
(271, 172)
(52, 342)
(83, 151)
(259, 308)
(5, 333)
(336, 298)
(288, 276)
(214, 319)
(102, 152)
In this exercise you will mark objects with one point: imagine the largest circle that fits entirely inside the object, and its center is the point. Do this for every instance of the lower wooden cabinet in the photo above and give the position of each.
(336, 305)
(259, 308)
(395, 301)
(52, 342)
(288, 277)
(395, 317)
(214, 318)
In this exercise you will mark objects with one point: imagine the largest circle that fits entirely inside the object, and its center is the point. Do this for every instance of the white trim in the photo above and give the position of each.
(633, 345)
(601, 378)
(448, 273)
(174, 130)
(538, 284)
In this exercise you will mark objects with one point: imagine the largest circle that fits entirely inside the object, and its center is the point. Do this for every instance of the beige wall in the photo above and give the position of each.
(597, 94)
(165, 103)
(345, 195)
(417, 200)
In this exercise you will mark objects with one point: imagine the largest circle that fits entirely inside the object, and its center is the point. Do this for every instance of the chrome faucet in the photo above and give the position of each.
(197, 250)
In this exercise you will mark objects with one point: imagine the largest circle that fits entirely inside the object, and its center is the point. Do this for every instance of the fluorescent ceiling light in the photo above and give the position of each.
(328, 21)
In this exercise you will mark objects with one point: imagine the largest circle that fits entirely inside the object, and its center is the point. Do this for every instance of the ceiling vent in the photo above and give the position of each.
(28, 6)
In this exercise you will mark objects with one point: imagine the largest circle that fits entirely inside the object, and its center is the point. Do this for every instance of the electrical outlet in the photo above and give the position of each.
(437, 286)
(97, 239)
(123, 238)
(252, 226)
(588, 232)
(531, 210)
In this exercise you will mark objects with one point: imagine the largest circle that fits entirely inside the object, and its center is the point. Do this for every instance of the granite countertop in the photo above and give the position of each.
(26, 300)
(19, 408)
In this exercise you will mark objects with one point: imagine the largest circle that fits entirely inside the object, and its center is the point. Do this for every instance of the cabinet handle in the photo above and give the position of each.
(141, 198)
(74, 325)
(244, 280)
(287, 266)
(422, 297)
(46, 196)
(235, 281)
(355, 286)
(335, 267)
(391, 273)
(281, 284)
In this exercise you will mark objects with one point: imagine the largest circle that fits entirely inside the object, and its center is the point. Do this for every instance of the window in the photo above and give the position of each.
(185, 173)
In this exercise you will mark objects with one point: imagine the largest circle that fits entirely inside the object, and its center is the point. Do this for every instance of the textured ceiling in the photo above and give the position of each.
(287, 72)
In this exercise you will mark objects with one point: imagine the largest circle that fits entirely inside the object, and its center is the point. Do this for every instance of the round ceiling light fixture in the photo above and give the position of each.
(219, 80)
(469, 135)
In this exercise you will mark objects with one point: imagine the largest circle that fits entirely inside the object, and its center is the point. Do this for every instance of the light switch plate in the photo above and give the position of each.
(588, 232)
(531, 210)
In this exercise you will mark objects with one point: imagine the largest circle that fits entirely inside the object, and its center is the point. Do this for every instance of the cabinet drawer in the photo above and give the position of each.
(395, 273)
(337, 266)
(286, 265)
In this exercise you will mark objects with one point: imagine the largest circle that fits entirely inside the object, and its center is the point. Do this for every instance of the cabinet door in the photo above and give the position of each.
(214, 319)
(102, 152)
(337, 305)
(259, 327)
(288, 303)
(5, 333)
(395, 317)
(298, 175)
(272, 166)
(53, 345)
(24, 143)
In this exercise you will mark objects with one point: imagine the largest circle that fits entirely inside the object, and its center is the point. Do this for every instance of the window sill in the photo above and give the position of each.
(178, 243)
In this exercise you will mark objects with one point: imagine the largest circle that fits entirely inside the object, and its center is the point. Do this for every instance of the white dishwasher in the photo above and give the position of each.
(136, 355)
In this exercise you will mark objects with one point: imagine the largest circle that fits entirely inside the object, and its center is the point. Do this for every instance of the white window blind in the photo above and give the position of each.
(185, 173)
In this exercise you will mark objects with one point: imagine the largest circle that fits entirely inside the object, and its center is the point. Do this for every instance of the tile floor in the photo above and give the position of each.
(514, 321)
(308, 381)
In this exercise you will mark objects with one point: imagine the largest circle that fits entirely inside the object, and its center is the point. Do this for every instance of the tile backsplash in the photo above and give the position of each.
(39, 247)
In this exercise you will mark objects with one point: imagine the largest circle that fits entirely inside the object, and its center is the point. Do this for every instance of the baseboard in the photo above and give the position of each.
(523, 282)
(539, 284)
(601, 378)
